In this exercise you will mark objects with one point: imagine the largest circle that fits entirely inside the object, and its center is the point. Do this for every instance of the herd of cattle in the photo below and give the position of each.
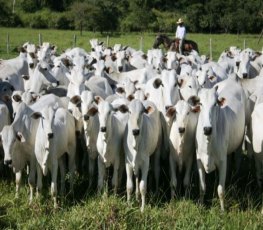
(129, 106)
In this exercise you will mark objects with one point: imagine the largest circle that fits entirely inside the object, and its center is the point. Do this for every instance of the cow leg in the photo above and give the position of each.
(129, 183)
(137, 192)
(91, 170)
(221, 185)
(18, 182)
(157, 168)
(72, 169)
(143, 182)
(101, 175)
(187, 177)
(202, 185)
(54, 175)
(62, 170)
(31, 179)
(115, 176)
(39, 180)
(173, 182)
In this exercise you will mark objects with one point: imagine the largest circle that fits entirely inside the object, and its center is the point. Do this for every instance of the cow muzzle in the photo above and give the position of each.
(86, 117)
(181, 130)
(120, 68)
(103, 129)
(207, 131)
(50, 135)
(8, 162)
(244, 75)
(135, 132)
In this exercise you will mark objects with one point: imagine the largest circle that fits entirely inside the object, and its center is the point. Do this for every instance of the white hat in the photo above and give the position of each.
(180, 21)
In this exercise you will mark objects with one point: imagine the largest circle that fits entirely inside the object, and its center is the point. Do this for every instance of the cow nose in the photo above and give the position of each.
(50, 135)
(244, 75)
(135, 132)
(31, 65)
(120, 68)
(8, 162)
(181, 130)
(103, 129)
(86, 117)
(207, 131)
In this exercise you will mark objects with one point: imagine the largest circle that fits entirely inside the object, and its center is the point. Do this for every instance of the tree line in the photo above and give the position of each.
(106, 16)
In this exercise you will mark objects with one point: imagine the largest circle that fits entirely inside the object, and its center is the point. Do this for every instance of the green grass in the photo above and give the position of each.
(65, 39)
(91, 211)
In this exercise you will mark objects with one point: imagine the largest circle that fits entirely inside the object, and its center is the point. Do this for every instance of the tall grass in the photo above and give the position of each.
(87, 210)
(64, 39)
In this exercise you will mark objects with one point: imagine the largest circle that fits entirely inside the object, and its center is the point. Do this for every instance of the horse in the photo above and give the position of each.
(173, 44)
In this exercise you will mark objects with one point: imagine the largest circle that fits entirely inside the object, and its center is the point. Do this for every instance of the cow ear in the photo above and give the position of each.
(212, 78)
(92, 111)
(75, 100)
(149, 110)
(180, 82)
(144, 56)
(120, 90)
(20, 137)
(36, 115)
(123, 108)
(170, 112)
(130, 97)
(17, 98)
(221, 101)
(98, 99)
(196, 109)
(157, 83)
(25, 77)
(164, 59)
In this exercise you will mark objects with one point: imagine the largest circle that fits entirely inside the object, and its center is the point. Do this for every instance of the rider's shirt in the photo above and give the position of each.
(180, 32)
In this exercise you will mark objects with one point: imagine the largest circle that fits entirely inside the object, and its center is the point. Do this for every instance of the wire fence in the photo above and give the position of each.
(8, 48)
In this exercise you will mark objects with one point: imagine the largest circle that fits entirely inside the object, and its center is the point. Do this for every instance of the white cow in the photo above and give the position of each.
(55, 136)
(210, 73)
(91, 127)
(184, 118)
(257, 139)
(42, 78)
(141, 140)
(110, 140)
(220, 131)
(19, 139)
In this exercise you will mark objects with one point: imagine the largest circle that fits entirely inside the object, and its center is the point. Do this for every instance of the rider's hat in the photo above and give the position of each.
(180, 21)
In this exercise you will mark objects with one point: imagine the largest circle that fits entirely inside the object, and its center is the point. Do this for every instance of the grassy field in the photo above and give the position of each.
(90, 211)
(64, 39)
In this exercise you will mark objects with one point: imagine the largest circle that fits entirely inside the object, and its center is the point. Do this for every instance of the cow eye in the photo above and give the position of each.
(190, 86)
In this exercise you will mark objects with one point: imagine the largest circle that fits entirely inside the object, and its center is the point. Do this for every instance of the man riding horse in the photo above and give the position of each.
(180, 34)
(174, 44)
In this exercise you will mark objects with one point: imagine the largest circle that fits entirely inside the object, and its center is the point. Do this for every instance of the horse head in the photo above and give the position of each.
(158, 41)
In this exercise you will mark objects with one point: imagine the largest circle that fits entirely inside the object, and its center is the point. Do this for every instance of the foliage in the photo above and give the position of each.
(213, 16)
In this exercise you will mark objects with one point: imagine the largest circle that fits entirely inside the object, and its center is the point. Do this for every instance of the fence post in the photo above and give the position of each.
(244, 43)
(74, 40)
(210, 49)
(40, 39)
(107, 41)
(7, 43)
(141, 43)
